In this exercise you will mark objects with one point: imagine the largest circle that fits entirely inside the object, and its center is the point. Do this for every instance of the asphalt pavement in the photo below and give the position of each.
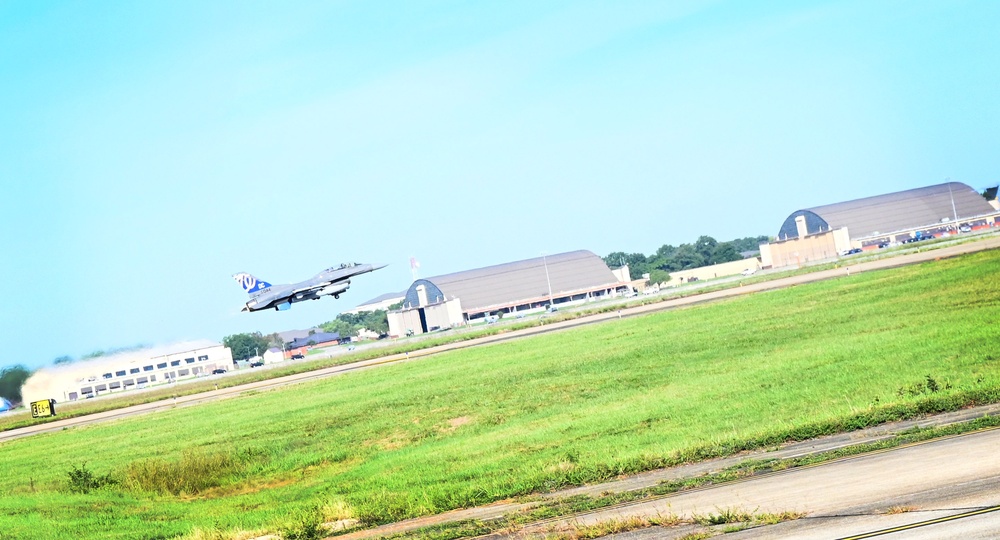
(946, 488)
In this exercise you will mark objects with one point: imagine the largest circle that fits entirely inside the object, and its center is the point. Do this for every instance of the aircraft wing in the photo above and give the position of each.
(314, 286)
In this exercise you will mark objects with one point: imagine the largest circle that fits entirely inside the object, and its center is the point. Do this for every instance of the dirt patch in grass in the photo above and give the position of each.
(456, 423)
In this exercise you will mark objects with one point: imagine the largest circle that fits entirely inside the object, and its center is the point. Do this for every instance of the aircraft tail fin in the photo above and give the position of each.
(249, 283)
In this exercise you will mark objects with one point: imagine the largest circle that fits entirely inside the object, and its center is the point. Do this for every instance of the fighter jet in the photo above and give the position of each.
(329, 282)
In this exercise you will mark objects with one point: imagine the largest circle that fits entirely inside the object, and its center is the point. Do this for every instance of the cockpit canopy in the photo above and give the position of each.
(342, 266)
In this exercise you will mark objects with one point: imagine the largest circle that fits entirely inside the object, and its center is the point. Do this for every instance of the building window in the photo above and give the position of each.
(116, 385)
(161, 366)
(101, 388)
(175, 362)
(189, 360)
(141, 380)
(106, 375)
(147, 368)
(72, 396)
(203, 358)
(128, 382)
(134, 370)
(120, 373)
(183, 372)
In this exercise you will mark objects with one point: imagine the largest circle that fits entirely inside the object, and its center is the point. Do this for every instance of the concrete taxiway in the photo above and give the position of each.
(946, 488)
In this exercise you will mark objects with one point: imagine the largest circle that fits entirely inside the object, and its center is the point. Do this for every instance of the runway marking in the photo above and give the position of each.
(922, 523)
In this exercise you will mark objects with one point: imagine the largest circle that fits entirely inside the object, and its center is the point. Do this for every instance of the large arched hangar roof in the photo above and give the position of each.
(910, 209)
(516, 282)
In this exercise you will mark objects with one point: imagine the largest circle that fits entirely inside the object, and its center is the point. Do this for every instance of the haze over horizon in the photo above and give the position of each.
(152, 150)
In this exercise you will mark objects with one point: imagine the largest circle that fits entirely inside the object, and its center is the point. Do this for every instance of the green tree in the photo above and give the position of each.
(706, 250)
(340, 326)
(274, 340)
(659, 276)
(705, 246)
(349, 324)
(687, 257)
(666, 251)
(11, 380)
(375, 321)
(725, 252)
(244, 346)
(750, 243)
(64, 359)
(637, 263)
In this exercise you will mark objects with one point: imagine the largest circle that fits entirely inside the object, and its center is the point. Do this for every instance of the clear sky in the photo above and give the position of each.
(149, 150)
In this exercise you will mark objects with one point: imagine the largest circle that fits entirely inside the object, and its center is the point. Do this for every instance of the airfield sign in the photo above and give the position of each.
(43, 408)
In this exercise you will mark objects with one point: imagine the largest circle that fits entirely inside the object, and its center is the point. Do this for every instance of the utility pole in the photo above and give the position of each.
(549, 283)
(953, 211)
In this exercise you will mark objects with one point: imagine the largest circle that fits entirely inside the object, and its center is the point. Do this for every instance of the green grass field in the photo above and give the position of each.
(487, 423)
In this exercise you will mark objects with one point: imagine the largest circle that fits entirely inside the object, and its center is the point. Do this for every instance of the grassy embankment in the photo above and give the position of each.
(482, 424)
(410, 344)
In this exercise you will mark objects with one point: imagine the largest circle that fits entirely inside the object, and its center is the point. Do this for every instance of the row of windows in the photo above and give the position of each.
(161, 365)
(89, 391)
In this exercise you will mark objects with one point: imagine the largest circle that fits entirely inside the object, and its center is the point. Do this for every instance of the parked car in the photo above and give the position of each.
(749, 271)
(258, 363)
(298, 356)
(219, 371)
(965, 228)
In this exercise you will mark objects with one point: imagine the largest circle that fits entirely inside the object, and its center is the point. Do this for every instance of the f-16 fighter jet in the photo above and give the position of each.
(329, 282)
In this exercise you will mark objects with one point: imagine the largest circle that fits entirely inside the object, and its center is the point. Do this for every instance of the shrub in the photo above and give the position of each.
(82, 479)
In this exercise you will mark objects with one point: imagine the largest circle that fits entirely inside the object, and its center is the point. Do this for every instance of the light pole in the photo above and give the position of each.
(547, 282)
(953, 211)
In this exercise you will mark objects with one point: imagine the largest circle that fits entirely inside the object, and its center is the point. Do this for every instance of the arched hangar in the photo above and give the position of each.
(517, 287)
(900, 212)
(824, 232)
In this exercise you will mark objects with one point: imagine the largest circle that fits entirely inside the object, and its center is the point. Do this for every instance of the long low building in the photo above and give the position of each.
(126, 371)
(383, 302)
(530, 285)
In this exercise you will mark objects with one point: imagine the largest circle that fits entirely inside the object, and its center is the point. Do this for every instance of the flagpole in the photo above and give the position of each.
(414, 266)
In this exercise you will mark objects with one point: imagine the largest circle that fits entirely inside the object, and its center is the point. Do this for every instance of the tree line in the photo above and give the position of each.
(351, 324)
(250, 344)
(668, 258)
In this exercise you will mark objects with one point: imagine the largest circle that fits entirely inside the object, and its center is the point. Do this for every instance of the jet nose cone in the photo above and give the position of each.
(378, 266)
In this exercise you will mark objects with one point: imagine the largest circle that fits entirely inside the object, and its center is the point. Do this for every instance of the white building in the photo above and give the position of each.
(273, 356)
(126, 371)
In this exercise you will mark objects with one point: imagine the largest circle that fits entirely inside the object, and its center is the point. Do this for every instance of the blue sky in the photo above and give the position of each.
(149, 150)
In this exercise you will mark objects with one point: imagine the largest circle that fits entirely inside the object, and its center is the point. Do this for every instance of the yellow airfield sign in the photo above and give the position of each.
(43, 408)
